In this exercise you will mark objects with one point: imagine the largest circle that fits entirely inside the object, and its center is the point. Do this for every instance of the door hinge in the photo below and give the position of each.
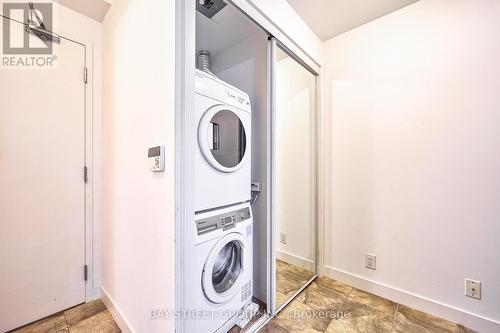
(85, 75)
(85, 174)
(85, 272)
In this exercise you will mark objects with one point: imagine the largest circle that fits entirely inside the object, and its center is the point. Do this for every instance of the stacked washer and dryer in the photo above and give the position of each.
(221, 253)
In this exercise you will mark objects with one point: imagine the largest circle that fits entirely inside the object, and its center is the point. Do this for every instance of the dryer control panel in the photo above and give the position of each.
(212, 87)
(225, 221)
(237, 99)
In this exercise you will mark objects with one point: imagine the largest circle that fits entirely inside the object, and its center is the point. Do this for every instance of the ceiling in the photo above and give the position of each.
(225, 29)
(95, 9)
(329, 18)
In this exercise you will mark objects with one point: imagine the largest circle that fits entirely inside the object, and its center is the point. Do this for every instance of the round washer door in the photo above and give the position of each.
(222, 137)
(223, 270)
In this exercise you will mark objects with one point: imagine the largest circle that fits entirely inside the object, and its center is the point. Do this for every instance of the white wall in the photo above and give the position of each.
(138, 205)
(413, 122)
(295, 166)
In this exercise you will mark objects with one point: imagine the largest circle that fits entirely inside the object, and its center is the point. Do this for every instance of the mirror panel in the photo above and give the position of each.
(294, 175)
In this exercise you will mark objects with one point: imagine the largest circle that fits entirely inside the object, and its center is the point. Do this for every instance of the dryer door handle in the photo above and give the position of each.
(242, 256)
(214, 138)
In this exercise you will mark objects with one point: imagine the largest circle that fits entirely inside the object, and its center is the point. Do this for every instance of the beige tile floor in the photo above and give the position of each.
(329, 306)
(92, 317)
(325, 306)
(289, 280)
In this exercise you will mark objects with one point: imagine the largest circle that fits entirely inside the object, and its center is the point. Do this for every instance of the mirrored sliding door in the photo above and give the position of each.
(294, 174)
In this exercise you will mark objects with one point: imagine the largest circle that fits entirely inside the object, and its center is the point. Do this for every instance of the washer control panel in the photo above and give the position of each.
(225, 221)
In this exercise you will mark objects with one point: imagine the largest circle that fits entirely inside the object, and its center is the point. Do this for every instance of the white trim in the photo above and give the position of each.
(271, 160)
(92, 290)
(320, 167)
(259, 323)
(116, 313)
(250, 9)
(185, 144)
(296, 260)
(468, 319)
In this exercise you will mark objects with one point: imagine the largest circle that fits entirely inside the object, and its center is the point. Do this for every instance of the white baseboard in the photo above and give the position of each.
(295, 260)
(470, 320)
(115, 312)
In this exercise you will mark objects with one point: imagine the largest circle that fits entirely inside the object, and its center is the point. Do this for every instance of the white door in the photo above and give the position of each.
(42, 191)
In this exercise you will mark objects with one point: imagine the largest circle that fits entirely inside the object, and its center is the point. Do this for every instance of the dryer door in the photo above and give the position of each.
(222, 137)
(223, 270)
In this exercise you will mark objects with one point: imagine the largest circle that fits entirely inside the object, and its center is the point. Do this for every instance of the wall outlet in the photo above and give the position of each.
(283, 237)
(473, 288)
(370, 261)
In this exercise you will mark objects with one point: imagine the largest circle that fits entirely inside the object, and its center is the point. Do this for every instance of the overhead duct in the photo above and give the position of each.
(204, 62)
(210, 7)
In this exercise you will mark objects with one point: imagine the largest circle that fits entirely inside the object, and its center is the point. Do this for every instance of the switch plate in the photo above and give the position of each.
(283, 237)
(370, 261)
(473, 288)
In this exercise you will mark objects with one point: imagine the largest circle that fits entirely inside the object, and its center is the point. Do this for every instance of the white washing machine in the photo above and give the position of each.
(223, 157)
(220, 271)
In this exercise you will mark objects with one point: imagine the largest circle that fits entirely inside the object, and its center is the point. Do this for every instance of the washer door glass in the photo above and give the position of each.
(227, 138)
(227, 267)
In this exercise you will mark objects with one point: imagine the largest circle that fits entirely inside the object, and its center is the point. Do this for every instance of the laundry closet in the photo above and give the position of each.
(252, 246)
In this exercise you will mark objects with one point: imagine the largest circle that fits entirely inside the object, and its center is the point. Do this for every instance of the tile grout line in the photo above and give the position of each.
(395, 312)
(336, 291)
(66, 320)
(394, 317)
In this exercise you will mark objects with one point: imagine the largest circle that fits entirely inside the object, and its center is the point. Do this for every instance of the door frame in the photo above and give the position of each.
(92, 223)
(91, 228)
(185, 39)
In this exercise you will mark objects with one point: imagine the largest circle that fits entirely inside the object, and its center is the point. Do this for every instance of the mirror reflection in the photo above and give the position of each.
(295, 168)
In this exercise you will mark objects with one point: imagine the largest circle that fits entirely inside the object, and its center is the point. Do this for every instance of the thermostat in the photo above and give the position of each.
(156, 157)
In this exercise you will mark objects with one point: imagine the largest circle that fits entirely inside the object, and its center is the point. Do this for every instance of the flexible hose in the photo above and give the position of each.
(204, 62)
